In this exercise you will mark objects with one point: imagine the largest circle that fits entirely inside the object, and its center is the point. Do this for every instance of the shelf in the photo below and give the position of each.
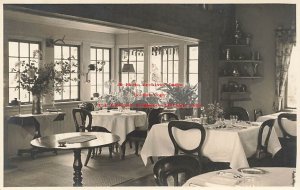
(240, 77)
(235, 96)
(241, 61)
(236, 45)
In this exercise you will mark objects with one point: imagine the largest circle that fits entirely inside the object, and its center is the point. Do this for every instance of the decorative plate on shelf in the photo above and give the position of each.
(252, 170)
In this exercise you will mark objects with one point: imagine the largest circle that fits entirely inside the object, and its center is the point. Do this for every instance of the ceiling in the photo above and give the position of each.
(59, 22)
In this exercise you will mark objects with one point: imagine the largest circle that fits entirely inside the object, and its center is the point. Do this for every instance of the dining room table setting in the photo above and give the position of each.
(226, 141)
(120, 121)
(246, 177)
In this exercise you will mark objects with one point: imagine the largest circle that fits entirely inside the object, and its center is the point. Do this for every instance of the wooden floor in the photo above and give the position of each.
(50, 170)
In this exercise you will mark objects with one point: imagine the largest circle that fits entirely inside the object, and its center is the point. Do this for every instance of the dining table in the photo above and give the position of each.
(120, 123)
(75, 141)
(247, 177)
(233, 143)
(290, 124)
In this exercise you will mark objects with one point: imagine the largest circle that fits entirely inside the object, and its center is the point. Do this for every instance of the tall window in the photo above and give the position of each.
(292, 83)
(164, 65)
(169, 64)
(68, 53)
(99, 57)
(192, 70)
(19, 51)
(136, 57)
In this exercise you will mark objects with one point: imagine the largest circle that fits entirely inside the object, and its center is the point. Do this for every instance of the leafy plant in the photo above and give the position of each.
(182, 95)
(41, 78)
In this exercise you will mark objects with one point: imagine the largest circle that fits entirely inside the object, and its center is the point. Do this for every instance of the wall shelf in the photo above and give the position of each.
(240, 61)
(240, 77)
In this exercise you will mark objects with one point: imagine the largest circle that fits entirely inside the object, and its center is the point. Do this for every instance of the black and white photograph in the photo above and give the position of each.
(148, 94)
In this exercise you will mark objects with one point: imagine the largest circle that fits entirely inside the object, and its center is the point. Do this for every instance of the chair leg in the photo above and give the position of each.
(123, 148)
(136, 148)
(151, 160)
(88, 156)
(117, 147)
(130, 144)
(110, 150)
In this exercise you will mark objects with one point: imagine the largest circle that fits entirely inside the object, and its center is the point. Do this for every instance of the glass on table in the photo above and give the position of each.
(188, 118)
(233, 119)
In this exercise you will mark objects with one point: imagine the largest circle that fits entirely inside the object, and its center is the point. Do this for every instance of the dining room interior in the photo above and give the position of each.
(115, 95)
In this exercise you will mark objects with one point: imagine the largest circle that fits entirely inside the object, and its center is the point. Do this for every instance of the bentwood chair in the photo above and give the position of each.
(239, 111)
(83, 122)
(188, 143)
(263, 158)
(175, 170)
(139, 136)
(288, 125)
(167, 116)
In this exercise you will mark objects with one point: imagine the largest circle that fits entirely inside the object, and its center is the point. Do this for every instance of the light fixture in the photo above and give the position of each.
(51, 42)
(91, 67)
(128, 68)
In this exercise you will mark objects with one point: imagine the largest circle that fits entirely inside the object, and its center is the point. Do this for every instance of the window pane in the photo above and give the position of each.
(93, 90)
(292, 86)
(193, 79)
(13, 80)
(12, 64)
(33, 48)
(140, 68)
(175, 78)
(66, 52)
(24, 50)
(13, 93)
(74, 92)
(57, 52)
(106, 66)
(66, 93)
(24, 95)
(193, 66)
(74, 76)
(193, 52)
(176, 67)
(99, 54)
(57, 96)
(74, 52)
(93, 54)
(106, 90)
(13, 49)
(106, 55)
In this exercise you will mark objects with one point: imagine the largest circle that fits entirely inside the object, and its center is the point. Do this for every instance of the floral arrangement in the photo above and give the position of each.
(41, 78)
(181, 95)
(123, 96)
(214, 111)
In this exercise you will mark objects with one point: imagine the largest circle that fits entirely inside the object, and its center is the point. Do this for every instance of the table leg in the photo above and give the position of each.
(77, 165)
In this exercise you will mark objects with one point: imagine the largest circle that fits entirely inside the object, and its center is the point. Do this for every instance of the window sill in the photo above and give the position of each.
(48, 105)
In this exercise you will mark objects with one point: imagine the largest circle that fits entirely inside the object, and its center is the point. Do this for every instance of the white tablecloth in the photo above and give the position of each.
(120, 123)
(273, 177)
(289, 124)
(220, 145)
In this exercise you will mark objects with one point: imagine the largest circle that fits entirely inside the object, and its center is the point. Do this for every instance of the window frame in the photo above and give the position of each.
(173, 60)
(136, 62)
(78, 72)
(102, 72)
(188, 63)
(39, 43)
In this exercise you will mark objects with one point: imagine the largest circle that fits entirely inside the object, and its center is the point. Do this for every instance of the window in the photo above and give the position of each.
(291, 91)
(19, 51)
(136, 57)
(101, 74)
(164, 65)
(70, 55)
(192, 70)
(169, 64)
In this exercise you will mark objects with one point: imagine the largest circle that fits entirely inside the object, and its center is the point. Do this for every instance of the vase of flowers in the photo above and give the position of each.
(213, 112)
(41, 78)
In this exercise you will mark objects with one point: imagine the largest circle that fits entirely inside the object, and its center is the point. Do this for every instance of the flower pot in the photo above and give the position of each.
(211, 120)
(36, 104)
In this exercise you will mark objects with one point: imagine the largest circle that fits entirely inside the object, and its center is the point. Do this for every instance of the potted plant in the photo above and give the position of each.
(183, 97)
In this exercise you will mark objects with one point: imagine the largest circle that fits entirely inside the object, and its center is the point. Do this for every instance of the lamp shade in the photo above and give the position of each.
(128, 68)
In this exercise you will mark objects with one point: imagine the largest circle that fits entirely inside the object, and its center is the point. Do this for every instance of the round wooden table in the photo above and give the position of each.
(52, 142)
